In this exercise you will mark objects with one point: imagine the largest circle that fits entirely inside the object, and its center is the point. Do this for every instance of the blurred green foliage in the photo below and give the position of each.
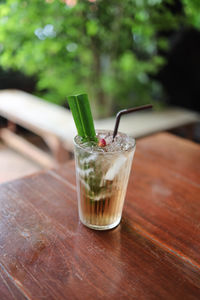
(109, 49)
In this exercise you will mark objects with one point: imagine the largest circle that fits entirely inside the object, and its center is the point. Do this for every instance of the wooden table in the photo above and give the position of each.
(46, 253)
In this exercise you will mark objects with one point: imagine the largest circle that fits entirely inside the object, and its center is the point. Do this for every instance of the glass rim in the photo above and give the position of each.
(130, 139)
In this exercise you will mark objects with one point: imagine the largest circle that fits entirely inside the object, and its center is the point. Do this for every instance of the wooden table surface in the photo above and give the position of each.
(46, 253)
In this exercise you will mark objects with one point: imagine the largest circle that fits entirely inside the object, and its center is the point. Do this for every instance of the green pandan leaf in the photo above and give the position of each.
(81, 112)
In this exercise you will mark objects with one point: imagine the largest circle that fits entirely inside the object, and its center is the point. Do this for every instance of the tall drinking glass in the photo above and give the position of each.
(102, 179)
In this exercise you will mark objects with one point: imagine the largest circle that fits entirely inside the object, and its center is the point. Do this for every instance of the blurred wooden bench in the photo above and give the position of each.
(51, 122)
(55, 125)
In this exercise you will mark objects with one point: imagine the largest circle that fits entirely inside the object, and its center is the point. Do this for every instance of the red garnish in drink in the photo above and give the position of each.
(102, 143)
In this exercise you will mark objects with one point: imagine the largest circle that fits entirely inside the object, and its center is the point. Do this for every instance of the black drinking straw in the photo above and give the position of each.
(127, 111)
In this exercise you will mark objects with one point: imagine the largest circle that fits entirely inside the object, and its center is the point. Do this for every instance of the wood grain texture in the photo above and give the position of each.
(46, 253)
(8, 289)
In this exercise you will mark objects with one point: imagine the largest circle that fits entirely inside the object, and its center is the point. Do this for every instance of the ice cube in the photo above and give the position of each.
(88, 159)
(118, 163)
(85, 172)
(101, 196)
